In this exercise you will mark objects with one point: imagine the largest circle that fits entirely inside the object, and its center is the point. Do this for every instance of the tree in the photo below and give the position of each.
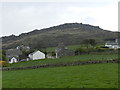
(92, 42)
(53, 53)
(80, 51)
(4, 57)
(88, 42)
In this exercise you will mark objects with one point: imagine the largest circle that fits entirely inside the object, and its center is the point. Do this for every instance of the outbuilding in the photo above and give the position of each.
(61, 51)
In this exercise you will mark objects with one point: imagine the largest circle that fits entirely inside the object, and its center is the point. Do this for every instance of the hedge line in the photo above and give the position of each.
(61, 64)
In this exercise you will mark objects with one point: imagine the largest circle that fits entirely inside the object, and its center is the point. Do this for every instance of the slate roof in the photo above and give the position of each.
(110, 43)
(115, 42)
(13, 53)
(61, 50)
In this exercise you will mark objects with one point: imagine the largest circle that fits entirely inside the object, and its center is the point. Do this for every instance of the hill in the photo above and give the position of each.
(68, 33)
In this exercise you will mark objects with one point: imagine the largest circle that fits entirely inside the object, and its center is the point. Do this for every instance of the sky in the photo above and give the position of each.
(22, 17)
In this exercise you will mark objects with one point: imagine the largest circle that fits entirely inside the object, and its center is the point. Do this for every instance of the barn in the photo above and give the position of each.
(61, 51)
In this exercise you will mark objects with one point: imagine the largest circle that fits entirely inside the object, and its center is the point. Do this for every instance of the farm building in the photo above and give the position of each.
(36, 55)
(13, 55)
(16, 55)
(113, 44)
(61, 51)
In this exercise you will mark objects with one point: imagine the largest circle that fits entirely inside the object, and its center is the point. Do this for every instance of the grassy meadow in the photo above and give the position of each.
(84, 76)
(71, 47)
(87, 57)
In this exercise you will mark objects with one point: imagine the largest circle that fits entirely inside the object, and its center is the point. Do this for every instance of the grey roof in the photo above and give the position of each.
(109, 43)
(13, 52)
(115, 42)
(60, 47)
(61, 50)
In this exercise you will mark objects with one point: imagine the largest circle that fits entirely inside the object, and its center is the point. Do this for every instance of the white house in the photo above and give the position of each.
(36, 55)
(114, 45)
(13, 60)
(12, 55)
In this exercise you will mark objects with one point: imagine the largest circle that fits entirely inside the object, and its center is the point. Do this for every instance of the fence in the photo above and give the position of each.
(62, 64)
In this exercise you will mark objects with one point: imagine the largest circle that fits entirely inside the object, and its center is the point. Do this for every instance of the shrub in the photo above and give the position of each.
(80, 51)
(101, 49)
(4, 63)
(111, 49)
(53, 53)
(90, 50)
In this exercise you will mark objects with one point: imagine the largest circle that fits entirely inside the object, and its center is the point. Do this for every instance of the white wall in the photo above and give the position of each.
(13, 60)
(30, 56)
(37, 55)
(112, 46)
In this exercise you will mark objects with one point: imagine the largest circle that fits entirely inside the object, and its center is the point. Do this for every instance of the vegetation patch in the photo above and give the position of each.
(87, 76)
(67, 59)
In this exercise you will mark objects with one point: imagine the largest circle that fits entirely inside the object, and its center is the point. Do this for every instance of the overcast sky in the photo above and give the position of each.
(21, 17)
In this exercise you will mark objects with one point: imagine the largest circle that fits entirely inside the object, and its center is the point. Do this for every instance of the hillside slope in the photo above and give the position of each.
(68, 33)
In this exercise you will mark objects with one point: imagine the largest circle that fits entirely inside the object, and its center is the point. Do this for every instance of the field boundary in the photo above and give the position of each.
(61, 64)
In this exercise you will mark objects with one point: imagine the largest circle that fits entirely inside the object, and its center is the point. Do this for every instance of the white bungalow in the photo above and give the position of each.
(36, 55)
(13, 60)
(114, 45)
(12, 55)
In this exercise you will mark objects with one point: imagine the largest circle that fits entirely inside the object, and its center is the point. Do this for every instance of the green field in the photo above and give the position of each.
(84, 76)
(71, 47)
(87, 57)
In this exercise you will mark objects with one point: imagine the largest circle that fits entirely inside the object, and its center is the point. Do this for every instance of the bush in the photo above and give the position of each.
(53, 53)
(90, 50)
(4, 63)
(111, 49)
(80, 51)
(101, 49)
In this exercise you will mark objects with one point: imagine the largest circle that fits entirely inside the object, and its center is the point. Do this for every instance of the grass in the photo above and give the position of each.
(50, 49)
(74, 47)
(86, 76)
(71, 47)
(66, 59)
